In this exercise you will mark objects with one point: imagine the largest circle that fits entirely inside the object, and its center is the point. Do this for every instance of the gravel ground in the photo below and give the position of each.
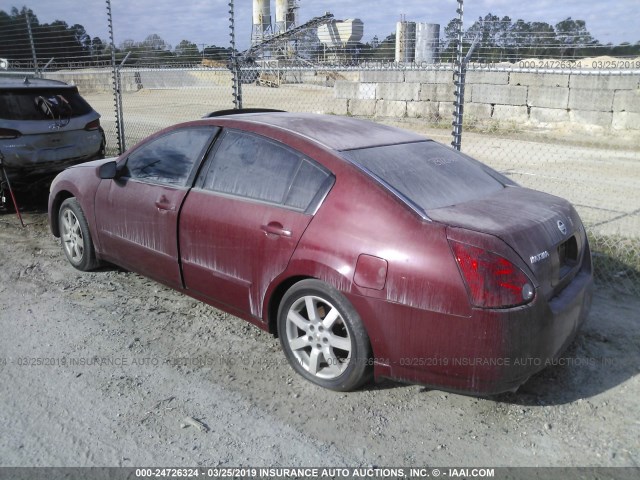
(112, 369)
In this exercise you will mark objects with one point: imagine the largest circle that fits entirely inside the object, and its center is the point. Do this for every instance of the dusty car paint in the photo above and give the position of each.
(394, 266)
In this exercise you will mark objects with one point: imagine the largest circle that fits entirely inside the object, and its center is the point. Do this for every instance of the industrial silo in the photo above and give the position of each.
(285, 15)
(261, 20)
(427, 42)
(405, 41)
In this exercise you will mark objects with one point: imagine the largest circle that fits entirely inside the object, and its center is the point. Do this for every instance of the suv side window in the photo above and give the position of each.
(169, 159)
(255, 167)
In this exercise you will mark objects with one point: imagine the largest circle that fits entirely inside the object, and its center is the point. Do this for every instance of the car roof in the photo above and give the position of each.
(27, 82)
(333, 131)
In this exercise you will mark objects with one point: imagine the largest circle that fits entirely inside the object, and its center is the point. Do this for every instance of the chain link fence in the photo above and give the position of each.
(544, 105)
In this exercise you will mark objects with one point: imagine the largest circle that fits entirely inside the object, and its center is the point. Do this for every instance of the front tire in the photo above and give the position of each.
(322, 336)
(76, 237)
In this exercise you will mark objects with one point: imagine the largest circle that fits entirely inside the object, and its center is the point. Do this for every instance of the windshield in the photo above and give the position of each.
(428, 174)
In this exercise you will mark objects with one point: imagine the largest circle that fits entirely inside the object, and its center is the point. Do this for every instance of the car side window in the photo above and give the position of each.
(254, 167)
(169, 159)
(305, 186)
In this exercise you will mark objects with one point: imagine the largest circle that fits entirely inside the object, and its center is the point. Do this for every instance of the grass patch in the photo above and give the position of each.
(492, 126)
(616, 261)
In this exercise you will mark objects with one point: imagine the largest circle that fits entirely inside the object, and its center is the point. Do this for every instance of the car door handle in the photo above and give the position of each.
(163, 204)
(276, 228)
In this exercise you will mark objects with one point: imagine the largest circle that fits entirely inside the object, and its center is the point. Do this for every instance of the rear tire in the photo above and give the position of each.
(76, 237)
(322, 336)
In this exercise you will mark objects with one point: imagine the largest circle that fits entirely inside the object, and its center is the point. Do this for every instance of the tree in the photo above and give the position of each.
(187, 52)
(213, 52)
(571, 35)
(518, 39)
(72, 46)
(543, 39)
(448, 50)
(492, 29)
(504, 39)
(386, 51)
(97, 46)
(155, 42)
(80, 35)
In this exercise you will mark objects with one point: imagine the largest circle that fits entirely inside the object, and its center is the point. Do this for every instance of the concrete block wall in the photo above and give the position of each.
(411, 93)
(132, 80)
(527, 100)
(94, 81)
(610, 102)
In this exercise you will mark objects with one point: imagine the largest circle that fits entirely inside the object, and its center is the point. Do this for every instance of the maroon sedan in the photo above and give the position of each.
(367, 249)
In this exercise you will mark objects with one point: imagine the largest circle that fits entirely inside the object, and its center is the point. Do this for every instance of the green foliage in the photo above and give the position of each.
(385, 51)
(71, 46)
(213, 52)
(502, 39)
(187, 51)
(56, 40)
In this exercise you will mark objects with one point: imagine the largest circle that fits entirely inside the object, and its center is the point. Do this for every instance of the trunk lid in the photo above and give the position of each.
(544, 230)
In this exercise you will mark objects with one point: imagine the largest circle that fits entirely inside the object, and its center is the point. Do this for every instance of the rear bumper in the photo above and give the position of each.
(28, 176)
(25, 163)
(490, 352)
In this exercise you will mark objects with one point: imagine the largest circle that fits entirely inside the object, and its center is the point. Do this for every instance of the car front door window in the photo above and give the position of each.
(137, 220)
(169, 159)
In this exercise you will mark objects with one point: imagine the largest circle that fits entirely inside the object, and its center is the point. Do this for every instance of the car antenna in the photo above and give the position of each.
(6, 177)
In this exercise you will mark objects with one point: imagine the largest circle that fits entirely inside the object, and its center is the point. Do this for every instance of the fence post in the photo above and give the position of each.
(33, 46)
(234, 66)
(117, 98)
(458, 81)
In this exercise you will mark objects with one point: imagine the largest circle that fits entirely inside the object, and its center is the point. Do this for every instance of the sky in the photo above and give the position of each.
(206, 21)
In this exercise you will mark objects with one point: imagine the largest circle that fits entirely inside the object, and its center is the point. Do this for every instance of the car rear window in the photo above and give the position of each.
(427, 174)
(23, 104)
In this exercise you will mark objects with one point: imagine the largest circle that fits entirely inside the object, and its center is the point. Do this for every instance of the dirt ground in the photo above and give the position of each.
(112, 369)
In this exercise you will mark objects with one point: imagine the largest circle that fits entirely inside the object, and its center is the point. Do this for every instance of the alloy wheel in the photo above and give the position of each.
(72, 238)
(318, 337)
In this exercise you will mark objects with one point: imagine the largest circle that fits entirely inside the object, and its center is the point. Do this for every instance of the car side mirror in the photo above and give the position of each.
(108, 170)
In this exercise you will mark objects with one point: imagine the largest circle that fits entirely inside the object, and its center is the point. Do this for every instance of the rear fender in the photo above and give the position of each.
(300, 269)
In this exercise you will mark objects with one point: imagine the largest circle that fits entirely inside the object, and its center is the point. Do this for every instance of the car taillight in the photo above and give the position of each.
(7, 133)
(492, 280)
(94, 125)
